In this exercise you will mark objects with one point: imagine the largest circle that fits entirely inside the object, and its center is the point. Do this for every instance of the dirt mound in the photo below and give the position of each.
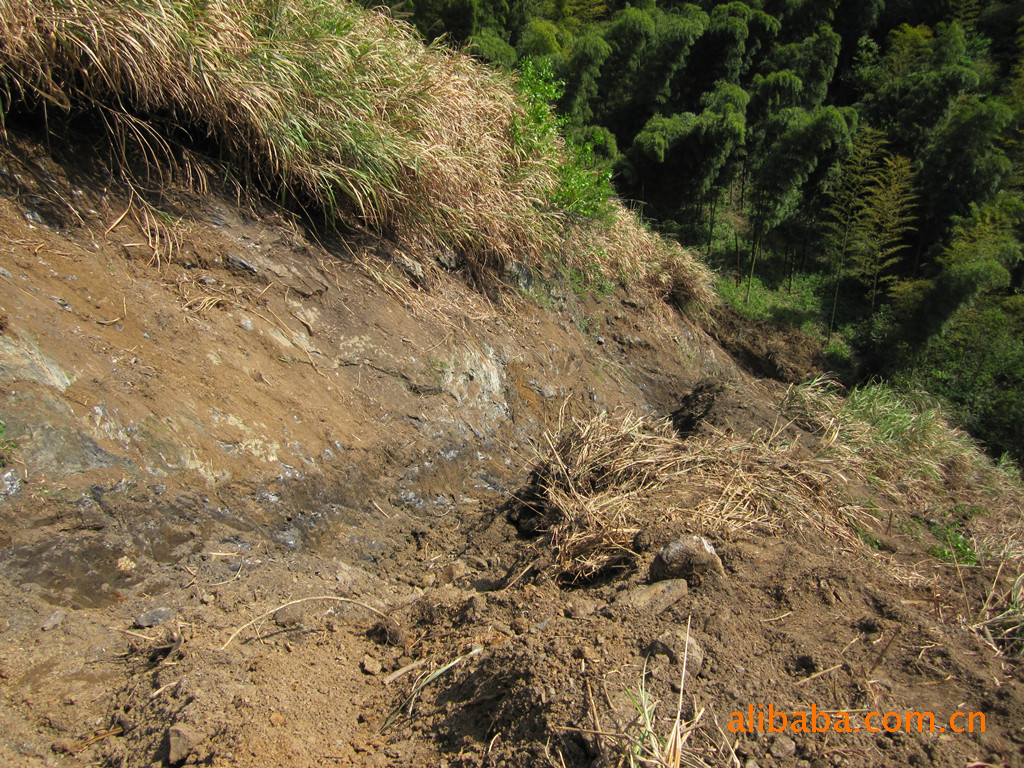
(769, 349)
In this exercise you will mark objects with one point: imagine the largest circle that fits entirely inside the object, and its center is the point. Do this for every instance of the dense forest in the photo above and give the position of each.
(868, 152)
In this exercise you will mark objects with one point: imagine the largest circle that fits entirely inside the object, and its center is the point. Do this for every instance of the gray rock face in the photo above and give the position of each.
(689, 557)
(448, 258)
(411, 267)
(10, 484)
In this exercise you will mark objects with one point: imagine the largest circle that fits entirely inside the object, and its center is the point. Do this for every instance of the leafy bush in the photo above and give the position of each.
(953, 547)
(584, 188)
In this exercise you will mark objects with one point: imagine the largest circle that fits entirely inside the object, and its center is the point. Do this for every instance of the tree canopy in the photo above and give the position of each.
(883, 137)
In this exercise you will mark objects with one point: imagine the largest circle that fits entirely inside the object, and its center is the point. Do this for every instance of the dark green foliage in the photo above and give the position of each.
(963, 163)
(984, 249)
(978, 366)
(846, 219)
(584, 182)
(586, 60)
(813, 61)
(794, 143)
(889, 209)
(698, 147)
(489, 46)
(910, 91)
(540, 39)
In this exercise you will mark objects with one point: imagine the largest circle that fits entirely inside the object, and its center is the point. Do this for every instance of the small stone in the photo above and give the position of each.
(182, 740)
(657, 598)
(580, 607)
(276, 718)
(520, 625)
(751, 763)
(10, 484)
(454, 572)
(240, 265)
(475, 607)
(208, 598)
(370, 666)
(411, 267)
(676, 645)
(65, 746)
(154, 617)
(54, 621)
(289, 616)
(447, 258)
(688, 557)
(783, 747)
(125, 564)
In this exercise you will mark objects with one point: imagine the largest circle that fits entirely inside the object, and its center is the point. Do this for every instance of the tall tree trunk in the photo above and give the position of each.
(711, 225)
(753, 260)
(792, 269)
(739, 266)
(874, 290)
(832, 316)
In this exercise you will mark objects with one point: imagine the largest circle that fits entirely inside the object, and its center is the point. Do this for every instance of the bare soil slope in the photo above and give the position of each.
(258, 511)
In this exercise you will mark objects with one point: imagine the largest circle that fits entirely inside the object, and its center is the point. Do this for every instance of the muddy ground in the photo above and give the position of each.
(257, 492)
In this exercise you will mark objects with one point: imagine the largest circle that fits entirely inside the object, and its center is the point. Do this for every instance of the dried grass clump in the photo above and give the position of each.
(592, 484)
(324, 104)
(623, 251)
(1002, 623)
(600, 482)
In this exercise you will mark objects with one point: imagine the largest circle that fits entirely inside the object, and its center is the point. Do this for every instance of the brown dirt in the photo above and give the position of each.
(768, 348)
(273, 416)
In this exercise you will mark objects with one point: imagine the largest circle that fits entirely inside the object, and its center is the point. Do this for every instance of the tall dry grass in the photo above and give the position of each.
(598, 482)
(329, 106)
(902, 443)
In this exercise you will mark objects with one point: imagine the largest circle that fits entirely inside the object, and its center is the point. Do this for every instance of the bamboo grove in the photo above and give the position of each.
(872, 149)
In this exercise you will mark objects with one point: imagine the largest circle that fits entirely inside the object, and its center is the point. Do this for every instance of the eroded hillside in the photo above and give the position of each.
(347, 420)
(279, 418)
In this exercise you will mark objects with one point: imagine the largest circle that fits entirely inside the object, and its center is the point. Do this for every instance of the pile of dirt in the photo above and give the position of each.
(768, 348)
(260, 500)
